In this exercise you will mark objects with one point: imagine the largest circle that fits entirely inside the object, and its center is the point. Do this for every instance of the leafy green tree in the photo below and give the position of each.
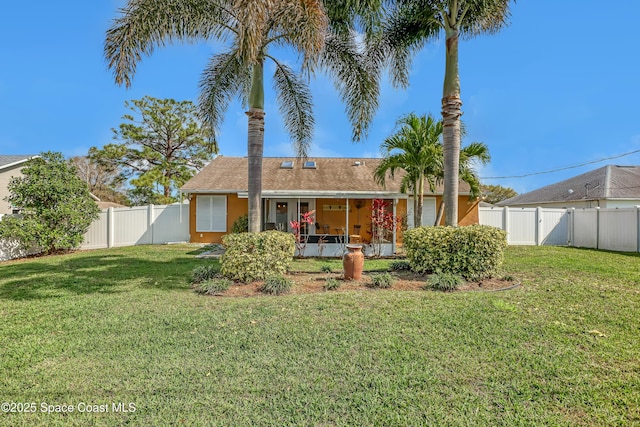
(56, 208)
(417, 148)
(163, 145)
(497, 193)
(249, 30)
(412, 23)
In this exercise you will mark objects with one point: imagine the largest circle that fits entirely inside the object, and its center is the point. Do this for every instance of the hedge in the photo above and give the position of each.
(256, 256)
(473, 252)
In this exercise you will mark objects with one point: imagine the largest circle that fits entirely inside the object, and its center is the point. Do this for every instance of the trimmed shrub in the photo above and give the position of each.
(473, 252)
(381, 281)
(241, 225)
(276, 285)
(202, 274)
(256, 256)
(213, 286)
(331, 284)
(446, 282)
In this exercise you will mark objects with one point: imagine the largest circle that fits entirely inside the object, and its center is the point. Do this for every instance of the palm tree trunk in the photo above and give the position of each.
(255, 142)
(451, 112)
(439, 215)
(420, 199)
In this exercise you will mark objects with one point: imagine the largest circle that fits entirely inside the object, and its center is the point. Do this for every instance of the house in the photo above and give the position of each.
(339, 190)
(606, 187)
(105, 205)
(10, 167)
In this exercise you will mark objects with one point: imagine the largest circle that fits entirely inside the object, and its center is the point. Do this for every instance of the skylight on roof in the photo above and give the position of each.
(287, 164)
(309, 165)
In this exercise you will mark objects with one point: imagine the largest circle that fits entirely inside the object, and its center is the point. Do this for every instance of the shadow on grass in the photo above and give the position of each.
(111, 273)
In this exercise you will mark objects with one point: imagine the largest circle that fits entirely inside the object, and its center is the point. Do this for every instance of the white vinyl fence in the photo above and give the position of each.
(611, 229)
(140, 225)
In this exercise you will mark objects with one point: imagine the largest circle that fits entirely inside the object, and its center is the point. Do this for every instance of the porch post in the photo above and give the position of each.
(298, 217)
(346, 232)
(395, 227)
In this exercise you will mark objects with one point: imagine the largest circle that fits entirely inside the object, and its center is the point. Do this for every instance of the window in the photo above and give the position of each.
(287, 164)
(309, 165)
(211, 213)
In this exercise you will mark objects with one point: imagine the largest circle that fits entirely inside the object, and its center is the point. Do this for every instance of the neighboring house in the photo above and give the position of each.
(607, 187)
(340, 190)
(10, 166)
(105, 205)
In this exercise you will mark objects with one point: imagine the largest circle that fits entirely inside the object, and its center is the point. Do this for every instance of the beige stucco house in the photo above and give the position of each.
(10, 166)
(610, 186)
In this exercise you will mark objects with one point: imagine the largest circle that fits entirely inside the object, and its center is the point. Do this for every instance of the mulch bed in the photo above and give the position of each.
(306, 283)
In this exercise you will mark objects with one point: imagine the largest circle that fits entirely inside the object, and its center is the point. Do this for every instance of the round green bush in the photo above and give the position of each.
(255, 256)
(473, 252)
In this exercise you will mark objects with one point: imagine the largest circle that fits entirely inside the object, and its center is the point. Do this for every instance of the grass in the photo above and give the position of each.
(123, 325)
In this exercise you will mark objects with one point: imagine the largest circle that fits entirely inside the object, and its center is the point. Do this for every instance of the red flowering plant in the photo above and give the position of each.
(383, 223)
(297, 226)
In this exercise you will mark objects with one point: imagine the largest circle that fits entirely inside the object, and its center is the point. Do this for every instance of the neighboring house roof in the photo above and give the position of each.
(105, 205)
(330, 177)
(9, 161)
(605, 183)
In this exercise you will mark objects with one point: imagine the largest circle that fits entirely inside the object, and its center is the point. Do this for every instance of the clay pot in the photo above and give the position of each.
(352, 262)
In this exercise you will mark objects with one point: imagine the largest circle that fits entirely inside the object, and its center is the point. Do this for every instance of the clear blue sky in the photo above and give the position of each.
(559, 87)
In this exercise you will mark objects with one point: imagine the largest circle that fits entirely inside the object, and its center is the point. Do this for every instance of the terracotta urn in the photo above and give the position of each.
(352, 262)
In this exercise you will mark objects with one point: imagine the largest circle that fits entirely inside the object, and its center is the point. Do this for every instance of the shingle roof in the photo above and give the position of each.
(607, 182)
(340, 175)
(6, 160)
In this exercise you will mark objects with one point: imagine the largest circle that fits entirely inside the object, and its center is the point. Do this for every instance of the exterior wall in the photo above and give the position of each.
(584, 204)
(5, 177)
(236, 207)
(468, 211)
(619, 203)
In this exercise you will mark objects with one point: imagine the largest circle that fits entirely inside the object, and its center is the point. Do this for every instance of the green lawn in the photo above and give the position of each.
(97, 328)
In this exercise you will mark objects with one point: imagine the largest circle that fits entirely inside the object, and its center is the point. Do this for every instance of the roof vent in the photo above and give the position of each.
(309, 165)
(287, 164)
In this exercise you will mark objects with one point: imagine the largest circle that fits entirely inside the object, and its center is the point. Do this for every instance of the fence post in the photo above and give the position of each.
(572, 226)
(539, 226)
(150, 221)
(598, 227)
(638, 228)
(505, 221)
(110, 228)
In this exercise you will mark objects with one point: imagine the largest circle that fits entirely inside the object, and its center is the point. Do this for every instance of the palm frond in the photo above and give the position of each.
(357, 85)
(296, 107)
(483, 17)
(224, 78)
(145, 24)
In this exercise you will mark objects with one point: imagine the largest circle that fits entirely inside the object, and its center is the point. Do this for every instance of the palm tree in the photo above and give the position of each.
(409, 25)
(414, 148)
(249, 29)
(417, 148)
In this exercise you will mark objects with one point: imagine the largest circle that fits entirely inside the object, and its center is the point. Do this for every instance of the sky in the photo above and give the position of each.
(557, 88)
